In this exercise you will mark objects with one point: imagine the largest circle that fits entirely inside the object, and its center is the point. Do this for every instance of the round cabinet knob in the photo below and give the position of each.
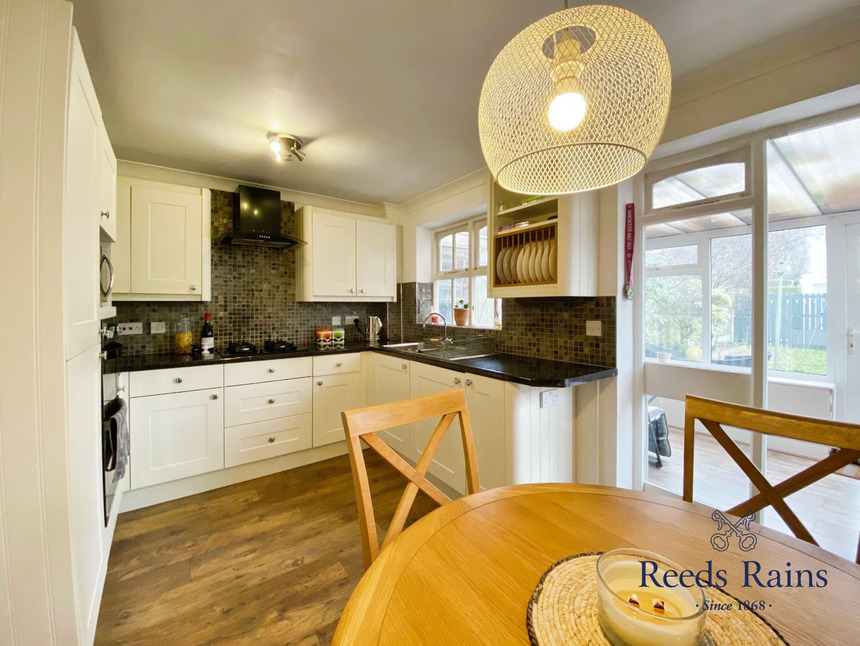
(468, 382)
(319, 383)
(178, 380)
(271, 401)
(403, 367)
(106, 214)
(362, 290)
(271, 370)
(338, 364)
(456, 380)
(271, 439)
(214, 397)
(193, 288)
(352, 290)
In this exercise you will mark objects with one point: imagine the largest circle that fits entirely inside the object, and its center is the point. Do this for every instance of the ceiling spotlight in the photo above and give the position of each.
(285, 147)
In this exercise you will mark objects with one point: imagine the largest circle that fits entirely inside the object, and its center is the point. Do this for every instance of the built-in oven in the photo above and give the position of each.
(112, 401)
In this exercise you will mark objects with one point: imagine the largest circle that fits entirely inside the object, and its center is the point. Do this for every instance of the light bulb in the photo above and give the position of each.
(566, 111)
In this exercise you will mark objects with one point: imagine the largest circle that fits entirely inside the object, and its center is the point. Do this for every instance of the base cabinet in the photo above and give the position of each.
(389, 382)
(268, 439)
(176, 436)
(485, 400)
(333, 394)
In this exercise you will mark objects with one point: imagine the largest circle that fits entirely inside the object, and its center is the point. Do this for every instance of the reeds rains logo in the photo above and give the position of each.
(754, 575)
(726, 529)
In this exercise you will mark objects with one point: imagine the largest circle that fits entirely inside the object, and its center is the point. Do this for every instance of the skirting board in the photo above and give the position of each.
(147, 496)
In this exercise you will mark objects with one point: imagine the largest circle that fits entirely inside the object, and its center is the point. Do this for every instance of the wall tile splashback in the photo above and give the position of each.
(550, 328)
(253, 296)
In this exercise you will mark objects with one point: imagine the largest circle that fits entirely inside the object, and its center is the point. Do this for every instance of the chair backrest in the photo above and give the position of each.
(713, 414)
(363, 424)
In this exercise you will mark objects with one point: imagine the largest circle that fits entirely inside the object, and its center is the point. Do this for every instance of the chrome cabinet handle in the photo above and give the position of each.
(362, 290)
(319, 383)
(468, 382)
(338, 364)
(106, 214)
(456, 380)
(271, 401)
(271, 439)
(193, 288)
(352, 290)
(178, 380)
(214, 396)
(403, 367)
(271, 370)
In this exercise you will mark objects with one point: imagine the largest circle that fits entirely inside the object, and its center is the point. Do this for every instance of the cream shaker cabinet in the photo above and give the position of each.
(346, 258)
(106, 186)
(163, 242)
(389, 382)
(337, 387)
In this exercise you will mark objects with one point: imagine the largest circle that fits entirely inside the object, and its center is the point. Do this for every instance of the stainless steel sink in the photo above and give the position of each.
(451, 353)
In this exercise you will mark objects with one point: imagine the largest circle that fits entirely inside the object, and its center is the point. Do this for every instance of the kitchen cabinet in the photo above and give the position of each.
(554, 250)
(268, 409)
(175, 435)
(346, 258)
(81, 210)
(106, 187)
(389, 382)
(485, 399)
(337, 387)
(163, 242)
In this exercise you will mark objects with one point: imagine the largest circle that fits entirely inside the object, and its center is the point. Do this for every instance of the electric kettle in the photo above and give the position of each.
(374, 324)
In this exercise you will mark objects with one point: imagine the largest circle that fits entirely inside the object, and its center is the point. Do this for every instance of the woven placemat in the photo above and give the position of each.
(563, 610)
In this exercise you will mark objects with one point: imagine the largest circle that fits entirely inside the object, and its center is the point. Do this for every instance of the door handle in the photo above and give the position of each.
(271, 401)
(457, 380)
(468, 382)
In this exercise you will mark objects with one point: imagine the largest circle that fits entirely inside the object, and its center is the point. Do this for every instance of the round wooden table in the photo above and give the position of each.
(464, 573)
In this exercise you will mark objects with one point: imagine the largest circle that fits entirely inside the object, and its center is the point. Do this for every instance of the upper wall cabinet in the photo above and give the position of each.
(106, 164)
(346, 258)
(543, 246)
(162, 252)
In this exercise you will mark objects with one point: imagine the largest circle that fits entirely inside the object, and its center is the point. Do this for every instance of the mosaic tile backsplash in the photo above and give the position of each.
(254, 299)
(253, 296)
(550, 328)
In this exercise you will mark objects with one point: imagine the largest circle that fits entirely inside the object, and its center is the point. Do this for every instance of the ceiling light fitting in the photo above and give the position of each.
(575, 102)
(285, 147)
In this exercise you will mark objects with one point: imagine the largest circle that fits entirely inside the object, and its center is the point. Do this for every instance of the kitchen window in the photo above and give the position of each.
(461, 273)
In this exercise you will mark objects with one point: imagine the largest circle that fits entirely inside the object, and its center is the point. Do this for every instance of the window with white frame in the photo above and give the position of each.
(460, 275)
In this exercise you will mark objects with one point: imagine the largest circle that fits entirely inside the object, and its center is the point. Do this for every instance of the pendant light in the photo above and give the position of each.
(575, 102)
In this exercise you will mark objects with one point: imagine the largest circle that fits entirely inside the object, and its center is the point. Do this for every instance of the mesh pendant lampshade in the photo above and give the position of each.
(605, 60)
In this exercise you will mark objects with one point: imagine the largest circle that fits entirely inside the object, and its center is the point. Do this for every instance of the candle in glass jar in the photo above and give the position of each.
(630, 614)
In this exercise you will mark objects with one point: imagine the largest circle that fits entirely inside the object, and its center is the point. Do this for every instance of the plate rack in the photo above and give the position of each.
(526, 256)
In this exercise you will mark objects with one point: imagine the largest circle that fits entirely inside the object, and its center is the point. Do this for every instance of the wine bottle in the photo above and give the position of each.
(207, 336)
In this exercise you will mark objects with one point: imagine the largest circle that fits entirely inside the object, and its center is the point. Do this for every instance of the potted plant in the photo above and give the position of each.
(461, 313)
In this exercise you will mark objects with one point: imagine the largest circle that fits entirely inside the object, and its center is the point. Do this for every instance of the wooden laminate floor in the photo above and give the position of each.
(268, 561)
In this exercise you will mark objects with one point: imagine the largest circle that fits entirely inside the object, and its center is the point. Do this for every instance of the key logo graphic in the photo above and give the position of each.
(726, 529)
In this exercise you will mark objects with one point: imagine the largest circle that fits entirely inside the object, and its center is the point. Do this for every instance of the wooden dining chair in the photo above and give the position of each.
(364, 424)
(714, 414)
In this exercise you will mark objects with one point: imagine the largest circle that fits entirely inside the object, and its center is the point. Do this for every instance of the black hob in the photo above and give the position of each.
(272, 346)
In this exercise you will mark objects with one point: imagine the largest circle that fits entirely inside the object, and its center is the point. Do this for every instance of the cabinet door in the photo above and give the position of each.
(333, 255)
(121, 248)
(333, 394)
(389, 382)
(176, 436)
(81, 215)
(485, 399)
(376, 264)
(166, 230)
(107, 185)
(449, 464)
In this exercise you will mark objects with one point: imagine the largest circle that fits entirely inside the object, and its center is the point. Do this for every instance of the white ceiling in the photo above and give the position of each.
(384, 92)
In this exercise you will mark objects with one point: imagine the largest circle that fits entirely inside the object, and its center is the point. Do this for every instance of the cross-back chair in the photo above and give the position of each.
(364, 424)
(714, 414)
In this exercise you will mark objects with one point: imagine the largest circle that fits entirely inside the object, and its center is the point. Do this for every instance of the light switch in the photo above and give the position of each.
(157, 327)
(335, 321)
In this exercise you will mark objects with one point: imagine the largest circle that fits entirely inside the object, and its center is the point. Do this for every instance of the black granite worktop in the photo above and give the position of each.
(529, 371)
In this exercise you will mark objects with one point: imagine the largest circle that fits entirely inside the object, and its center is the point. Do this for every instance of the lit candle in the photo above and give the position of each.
(635, 615)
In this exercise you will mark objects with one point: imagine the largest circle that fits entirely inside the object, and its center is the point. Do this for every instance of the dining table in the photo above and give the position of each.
(466, 572)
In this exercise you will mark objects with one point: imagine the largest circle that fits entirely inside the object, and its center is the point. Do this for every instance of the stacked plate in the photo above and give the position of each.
(532, 262)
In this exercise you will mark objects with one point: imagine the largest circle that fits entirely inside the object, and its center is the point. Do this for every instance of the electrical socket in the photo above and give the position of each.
(129, 328)
(593, 328)
(548, 398)
(157, 327)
